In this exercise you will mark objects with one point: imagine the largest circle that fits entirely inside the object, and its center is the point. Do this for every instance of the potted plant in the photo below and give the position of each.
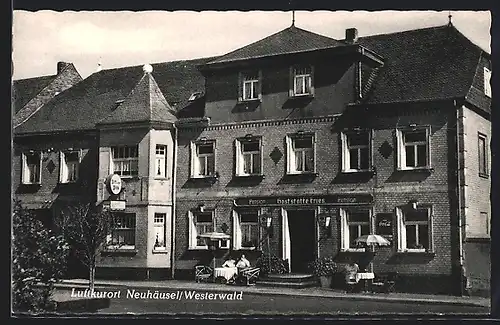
(324, 268)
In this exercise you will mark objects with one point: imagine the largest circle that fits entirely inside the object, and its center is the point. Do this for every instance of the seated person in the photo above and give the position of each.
(351, 270)
(229, 263)
(243, 263)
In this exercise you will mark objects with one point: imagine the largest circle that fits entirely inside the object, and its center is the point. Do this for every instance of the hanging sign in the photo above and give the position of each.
(114, 184)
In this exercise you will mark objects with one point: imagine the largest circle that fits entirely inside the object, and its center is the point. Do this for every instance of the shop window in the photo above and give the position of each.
(248, 157)
(246, 229)
(356, 151)
(355, 222)
(483, 155)
(32, 168)
(200, 223)
(69, 166)
(301, 153)
(301, 81)
(250, 85)
(414, 229)
(487, 82)
(125, 160)
(122, 231)
(413, 148)
(203, 159)
(161, 161)
(159, 228)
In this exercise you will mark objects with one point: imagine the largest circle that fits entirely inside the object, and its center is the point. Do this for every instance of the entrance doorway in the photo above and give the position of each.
(302, 239)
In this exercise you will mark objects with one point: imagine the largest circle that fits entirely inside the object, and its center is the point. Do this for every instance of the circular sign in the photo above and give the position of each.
(114, 184)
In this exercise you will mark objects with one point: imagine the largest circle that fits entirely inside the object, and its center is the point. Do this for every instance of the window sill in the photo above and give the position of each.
(302, 174)
(358, 171)
(161, 178)
(297, 96)
(247, 248)
(253, 100)
(354, 250)
(120, 251)
(160, 251)
(127, 177)
(198, 248)
(249, 176)
(416, 252)
(68, 183)
(416, 170)
(484, 175)
(31, 184)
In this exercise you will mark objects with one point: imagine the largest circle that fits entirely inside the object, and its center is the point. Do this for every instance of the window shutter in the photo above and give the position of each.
(400, 150)
(24, 166)
(344, 152)
(193, 160)
(236, 231)
(192, 230)
(311, 86)
(291, 81)
(238, 157)
(62, 169)
(259, 85)
(240, 86)
(290, 159)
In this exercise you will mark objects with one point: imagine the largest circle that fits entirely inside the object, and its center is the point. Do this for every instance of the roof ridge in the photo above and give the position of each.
(407, 31)
(38, 77)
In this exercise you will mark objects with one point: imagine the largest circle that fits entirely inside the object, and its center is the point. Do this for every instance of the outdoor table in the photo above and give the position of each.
(226, 272)
(364, 276)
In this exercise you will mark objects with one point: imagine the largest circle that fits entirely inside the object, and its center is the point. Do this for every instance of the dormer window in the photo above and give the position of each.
(195, 96)
(250, 85)
(487, 82)
(302, 81)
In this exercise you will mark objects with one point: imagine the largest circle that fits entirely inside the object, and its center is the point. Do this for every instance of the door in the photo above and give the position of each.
(302, 239)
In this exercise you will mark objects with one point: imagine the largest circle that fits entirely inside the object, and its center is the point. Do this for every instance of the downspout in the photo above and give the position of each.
(174, 199)
(459, 112)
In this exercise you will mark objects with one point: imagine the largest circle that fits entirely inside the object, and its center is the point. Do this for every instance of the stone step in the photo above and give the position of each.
(289, 277)
(283, 284)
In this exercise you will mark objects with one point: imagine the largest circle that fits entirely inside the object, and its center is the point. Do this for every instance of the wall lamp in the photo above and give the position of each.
(324, 221)
(201, 207)
(267, 222)
(413, 204)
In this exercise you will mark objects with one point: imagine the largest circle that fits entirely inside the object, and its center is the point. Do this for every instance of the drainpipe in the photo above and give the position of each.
(459, 112)
(174, 198)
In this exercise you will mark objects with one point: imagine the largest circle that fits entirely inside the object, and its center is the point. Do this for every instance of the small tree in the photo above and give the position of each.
(39, 258)
(85, 226)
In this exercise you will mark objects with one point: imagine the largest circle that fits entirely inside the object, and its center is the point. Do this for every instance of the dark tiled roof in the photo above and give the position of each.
(95, 97)
(145, 103)
(23, 90)
(289, 40)
(424, 64)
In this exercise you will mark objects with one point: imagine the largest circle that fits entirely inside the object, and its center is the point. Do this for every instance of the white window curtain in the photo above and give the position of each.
(290, 156)
(192, 230)
(238, 157)
(286, 253)
(346, 163)
(401, 153)
(401, 230)
(194, 166)
(236, 230)
(344, 228)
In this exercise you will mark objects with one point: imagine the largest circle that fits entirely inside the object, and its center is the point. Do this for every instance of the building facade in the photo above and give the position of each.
(294, 146)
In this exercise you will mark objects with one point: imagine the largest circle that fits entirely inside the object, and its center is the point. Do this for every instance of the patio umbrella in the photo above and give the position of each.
(372, 240)
(213, 237)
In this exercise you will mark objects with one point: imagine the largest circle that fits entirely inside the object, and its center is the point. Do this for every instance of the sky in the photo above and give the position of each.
(125, 38)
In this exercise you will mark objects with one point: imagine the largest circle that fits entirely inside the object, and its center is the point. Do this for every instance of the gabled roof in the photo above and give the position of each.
(23, 90)
(423, 64)
(97, 95)
(145, 103)
(288, 40)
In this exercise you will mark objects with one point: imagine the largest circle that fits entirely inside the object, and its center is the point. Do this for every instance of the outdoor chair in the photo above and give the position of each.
(248, 276)
(384, 283)
(353, 285)
(203, 273)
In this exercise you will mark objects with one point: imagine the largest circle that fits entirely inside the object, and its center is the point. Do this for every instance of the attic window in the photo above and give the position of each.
(118, 103)
(487, 82)
(195, 96)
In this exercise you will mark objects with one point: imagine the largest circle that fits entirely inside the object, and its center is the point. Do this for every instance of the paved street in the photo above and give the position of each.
(252, 304)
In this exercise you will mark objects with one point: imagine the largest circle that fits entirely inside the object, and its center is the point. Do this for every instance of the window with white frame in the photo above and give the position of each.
(32, 168)
(356, 151)
(69, 166)
(125, 160)
(302, 81)
(483, 154)
(200, 223)
(484, 223)
(250, 87)
(159, 228)
(248, 157)
(161, 161)
(414, 229)
(202, 159)
(413, 148)
(487, 82)
(355, 222)
(122, 231)
(301, 153)
(246, 231)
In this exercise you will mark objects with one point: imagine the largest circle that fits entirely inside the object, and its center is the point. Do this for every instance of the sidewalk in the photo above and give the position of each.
(309, 292)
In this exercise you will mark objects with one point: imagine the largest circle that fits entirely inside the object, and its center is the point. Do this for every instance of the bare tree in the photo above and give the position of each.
(85, 226)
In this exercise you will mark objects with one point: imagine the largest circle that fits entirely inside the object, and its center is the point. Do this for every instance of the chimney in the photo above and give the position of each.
(60, 66)
(351, 35)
